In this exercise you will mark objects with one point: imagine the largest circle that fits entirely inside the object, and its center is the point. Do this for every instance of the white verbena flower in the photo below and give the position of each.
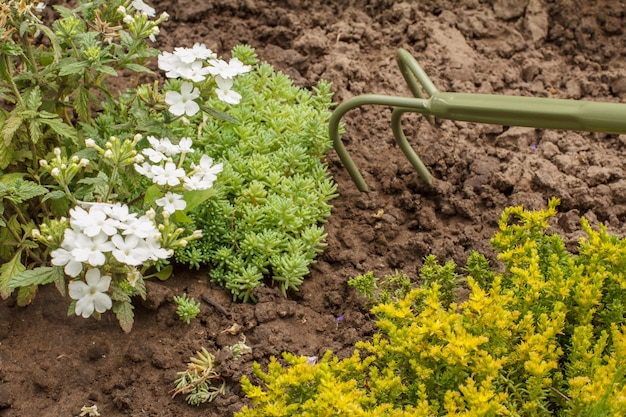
(196, 71)
(171, 64)
(207, 170)
(128, 250)
(164, 146)
(92, 250)
(171, 202)
(185, 145)
(144, 169)
(168, 174)
(93, 222)
(228, 69)
(63, 256)
(142, 7)
(91, 295)
(224, 91)
(198, 52)
(142, 227)
(183, 102)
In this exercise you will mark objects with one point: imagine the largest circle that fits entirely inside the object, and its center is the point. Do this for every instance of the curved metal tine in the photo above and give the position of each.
(417, 105)
(414, 73)
(398, 133)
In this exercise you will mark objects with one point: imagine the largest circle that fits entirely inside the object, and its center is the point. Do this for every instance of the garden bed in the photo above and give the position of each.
(52, 365)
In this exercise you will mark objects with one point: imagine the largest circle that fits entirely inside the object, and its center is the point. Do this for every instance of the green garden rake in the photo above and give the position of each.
(544, 113)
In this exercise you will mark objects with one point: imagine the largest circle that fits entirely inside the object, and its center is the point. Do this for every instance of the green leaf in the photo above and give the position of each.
(124, 312)
(9, 270)
(26, 295)
(105, 69)
(180, 217)
(72, 68)
(138, 68)
(11, 177)
(21, 191)
(60, 127)
(153, 193)
(11, 125)
(54, 195)
(81, 103)
(38, 276)
(165, 273)
(32, 99)
(218, 114)
(196, 197)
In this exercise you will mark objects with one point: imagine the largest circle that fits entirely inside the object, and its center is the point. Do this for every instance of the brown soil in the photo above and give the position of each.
(52, 365)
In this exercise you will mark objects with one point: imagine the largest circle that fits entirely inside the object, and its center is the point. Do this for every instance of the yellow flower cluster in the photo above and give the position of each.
(543, 338)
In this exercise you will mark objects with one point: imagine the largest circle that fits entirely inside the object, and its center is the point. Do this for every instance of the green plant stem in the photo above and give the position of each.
(111, 184)
(16, 91)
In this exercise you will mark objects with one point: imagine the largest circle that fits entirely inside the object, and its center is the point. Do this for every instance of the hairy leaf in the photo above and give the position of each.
(38, 276)
(124, 312)
(8, 270)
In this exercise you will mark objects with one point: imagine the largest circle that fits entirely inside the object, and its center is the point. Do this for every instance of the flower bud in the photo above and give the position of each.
(108, 154)
(83, 162)
(122, 10)
(197, 234)
(35, 233)
(90, 143)
(43, 163)
(55, 172)
(57, 151)
(128, 19)
(151, 214)
(183, 243)
(74, 159)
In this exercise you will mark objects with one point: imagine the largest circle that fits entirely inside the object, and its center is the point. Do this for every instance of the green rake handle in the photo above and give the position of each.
(544, 113)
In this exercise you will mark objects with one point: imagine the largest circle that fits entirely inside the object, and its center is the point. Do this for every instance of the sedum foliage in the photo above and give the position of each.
(545, 337)
(265, 218)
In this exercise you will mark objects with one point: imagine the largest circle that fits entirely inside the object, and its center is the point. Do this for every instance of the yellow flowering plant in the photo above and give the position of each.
(543, 337)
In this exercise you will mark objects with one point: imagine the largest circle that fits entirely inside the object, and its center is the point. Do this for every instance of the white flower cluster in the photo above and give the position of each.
(96, 232)
(159, 166)
(194, 65)
(107, 228)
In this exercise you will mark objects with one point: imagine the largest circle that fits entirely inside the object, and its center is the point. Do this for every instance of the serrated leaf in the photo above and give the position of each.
(59, 281)
(38, 276)
(21, 191)
(105, 69)
(8, 270)
(11, 125)
(32, 99)
(34, 130)
(164, 273)
(54, 195)
(70, 68)
(11, 177)
(60, 127)
(124, 313)
(26, 295)
(81, 103)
